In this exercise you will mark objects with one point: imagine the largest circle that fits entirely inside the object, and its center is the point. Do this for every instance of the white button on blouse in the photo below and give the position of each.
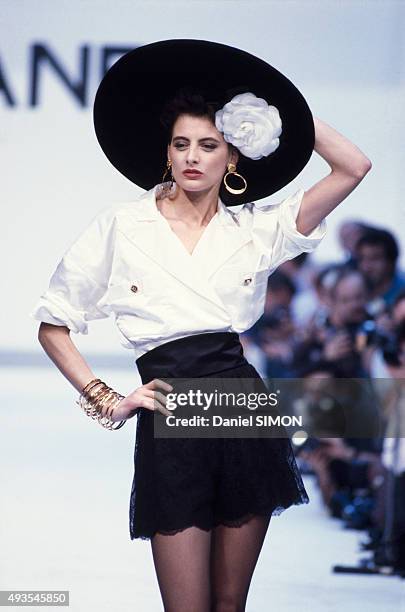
(128, 261)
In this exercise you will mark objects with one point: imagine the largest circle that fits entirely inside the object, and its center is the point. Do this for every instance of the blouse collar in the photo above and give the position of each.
(145, 208)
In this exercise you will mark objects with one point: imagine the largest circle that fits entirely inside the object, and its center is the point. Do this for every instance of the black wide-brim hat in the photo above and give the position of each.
(131, 96)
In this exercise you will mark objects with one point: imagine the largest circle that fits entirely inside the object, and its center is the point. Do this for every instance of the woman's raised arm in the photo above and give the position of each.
(348, 167)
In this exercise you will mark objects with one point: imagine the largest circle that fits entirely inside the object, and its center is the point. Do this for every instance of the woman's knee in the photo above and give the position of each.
(228, 604)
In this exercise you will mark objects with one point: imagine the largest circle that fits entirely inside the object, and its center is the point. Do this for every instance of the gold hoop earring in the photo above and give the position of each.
(168, 168)
(232, 170)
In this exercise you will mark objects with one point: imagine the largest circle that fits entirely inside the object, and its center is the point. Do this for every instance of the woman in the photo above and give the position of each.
(184, 275)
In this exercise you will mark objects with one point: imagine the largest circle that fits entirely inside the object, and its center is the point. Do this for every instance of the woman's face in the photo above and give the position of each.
(197, 145)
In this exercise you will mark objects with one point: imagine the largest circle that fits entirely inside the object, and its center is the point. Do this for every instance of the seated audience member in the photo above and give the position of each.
(274, 331)
(349, 232)
(391, 497)
(342, 464)
(303, 272)
(323, 282)
(316, 401)
(377, 253)
(341, 335)
(383, 358)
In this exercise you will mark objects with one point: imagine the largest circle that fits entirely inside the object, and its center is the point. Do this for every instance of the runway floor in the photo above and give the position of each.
(65, 485)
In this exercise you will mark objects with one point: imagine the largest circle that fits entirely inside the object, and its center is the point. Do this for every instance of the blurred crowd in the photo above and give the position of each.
(341, 326)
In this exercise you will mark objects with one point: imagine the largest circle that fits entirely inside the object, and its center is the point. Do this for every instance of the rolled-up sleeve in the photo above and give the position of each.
(275, 226)
(80, 279)
(287, 217)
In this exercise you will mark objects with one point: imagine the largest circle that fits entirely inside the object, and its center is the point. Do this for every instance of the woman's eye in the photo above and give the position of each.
(181, 145)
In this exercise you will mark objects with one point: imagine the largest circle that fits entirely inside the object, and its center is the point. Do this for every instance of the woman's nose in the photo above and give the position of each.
(192, 156)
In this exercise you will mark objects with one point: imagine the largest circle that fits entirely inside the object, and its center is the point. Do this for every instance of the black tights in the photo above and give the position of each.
(208, 571)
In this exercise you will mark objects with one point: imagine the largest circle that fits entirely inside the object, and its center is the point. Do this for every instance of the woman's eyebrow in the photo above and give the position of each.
(200, 140)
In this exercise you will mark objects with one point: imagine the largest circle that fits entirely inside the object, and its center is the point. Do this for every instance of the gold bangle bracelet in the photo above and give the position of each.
(111, 407)
(85, 388)
(111, 403)
(95, 391)
(94, 396)
(114, 404)
(106, 397)
(91, 400)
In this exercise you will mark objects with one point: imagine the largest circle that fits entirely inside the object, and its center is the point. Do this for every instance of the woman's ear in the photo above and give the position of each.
(234, 156)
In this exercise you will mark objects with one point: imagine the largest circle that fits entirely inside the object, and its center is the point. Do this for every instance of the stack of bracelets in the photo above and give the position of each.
(94, 397)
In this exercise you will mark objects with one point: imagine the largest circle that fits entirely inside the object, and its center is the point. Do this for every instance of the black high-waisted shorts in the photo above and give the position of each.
(204, 482)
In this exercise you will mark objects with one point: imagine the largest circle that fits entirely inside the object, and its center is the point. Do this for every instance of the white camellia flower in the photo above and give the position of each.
(250, 124)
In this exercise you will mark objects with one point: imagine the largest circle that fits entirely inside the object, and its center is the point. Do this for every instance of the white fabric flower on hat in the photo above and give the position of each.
(250, 124)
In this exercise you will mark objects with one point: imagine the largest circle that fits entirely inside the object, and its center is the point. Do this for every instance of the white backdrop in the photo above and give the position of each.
(346, 57)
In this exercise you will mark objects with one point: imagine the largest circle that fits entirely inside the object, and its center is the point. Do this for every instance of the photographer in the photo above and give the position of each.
(377, 253)
(341, 464)
(344, 332)
(384, 356)
(390, 510)
(274, 331)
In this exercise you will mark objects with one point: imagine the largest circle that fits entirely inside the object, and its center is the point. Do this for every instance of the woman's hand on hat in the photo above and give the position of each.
(149, 396)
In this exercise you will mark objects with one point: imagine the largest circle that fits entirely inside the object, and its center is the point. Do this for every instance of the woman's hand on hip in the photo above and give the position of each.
(149, 396)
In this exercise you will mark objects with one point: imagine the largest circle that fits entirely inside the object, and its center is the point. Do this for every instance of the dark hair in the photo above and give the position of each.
(279, 281)
(319, 365)
(332, 268)
(344, 273)
(375, 236)
(186, 101)
(299, 260)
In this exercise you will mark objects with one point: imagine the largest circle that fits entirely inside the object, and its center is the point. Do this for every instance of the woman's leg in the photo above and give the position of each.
(234, 554)
(182, 564)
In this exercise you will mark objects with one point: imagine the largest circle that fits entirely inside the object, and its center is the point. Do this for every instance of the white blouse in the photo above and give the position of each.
(128, 261)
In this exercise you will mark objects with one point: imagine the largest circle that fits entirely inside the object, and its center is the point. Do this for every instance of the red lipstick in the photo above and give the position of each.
(192, 173)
